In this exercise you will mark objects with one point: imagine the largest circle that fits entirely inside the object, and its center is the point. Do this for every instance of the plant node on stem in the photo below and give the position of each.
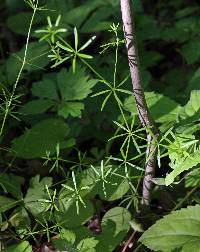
(143, 112)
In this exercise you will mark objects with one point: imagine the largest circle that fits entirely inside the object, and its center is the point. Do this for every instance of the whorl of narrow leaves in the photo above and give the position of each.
(180, 229)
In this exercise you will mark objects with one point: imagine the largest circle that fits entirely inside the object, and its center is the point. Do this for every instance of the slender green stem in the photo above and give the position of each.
(20, 71)
(93, 70)
(116, 61)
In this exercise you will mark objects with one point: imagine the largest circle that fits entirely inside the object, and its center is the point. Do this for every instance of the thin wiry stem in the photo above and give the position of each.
(142, 108)
(20, 71)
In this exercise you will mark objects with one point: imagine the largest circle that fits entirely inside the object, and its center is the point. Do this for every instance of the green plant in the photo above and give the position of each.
(74, 146)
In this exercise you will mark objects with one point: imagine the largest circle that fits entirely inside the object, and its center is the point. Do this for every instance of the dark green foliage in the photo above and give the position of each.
(72, 146)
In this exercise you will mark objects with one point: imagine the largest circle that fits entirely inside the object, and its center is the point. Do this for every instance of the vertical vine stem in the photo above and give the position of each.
(142, 108)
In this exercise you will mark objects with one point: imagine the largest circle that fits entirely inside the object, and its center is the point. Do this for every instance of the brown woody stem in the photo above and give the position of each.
(143, 112)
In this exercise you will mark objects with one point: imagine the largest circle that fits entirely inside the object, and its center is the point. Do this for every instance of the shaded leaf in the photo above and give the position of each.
(42, 137)
(36, 59)
(21, 247)
(12, 184)
(191, 51)
(45, 89)
(36, 107)
(7, 203)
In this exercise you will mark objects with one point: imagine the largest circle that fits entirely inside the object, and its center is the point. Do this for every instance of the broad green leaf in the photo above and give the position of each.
(188, 24)
(183, 165)
(194, 82)
(36, 60)
(64, 245)
(186, 11)
(193, 105)
(178, 229)
(68, 235)
(191, 51)
(74, 86)
(116, 186)
(67, 85)
(191, 246)
(193, 179)
(12, 184)
(7, 203)
(42, 137)
(19, 23)
(147, 27)
(174, 34)
(36, 107)
(68, 211)
(20, 220)
(36, 192)
(45, 88)
(98, 22)
(21, 247)
(115, 225)
(150, 58)
(162, 108)
(77, 15)
(70, 108)
(120, 216)
(87, 245)
(14, 5)
(67, 242)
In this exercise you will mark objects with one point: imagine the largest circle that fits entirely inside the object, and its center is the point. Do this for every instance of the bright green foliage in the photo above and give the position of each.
(183, 164)
(87, 244)
(45, 108)
(22, 247)
(193, 105)
(180, 229)
(42, 138)
(75, 196)
(120, 216)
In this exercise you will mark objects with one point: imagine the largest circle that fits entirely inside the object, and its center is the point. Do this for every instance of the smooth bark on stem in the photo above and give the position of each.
(143, 112)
